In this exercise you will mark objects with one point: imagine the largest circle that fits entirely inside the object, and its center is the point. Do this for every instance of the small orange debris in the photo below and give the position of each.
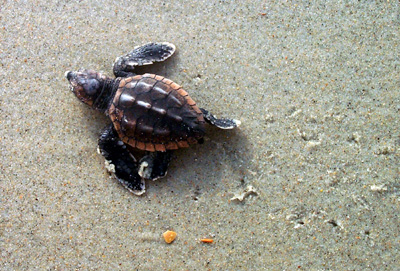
(207, 240)
(169, 236)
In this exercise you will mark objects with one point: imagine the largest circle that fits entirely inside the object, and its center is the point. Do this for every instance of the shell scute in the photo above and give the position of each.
(150, 147)
(145, 85)
(175, 86)
(159, 91)
(128, 126)
(127, 99)
(167, 81)
(172, 146)
(140, 145)
(160, 147)
(175, 101)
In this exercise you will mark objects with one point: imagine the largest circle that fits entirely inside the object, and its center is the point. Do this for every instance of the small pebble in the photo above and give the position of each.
(169, 236)
(248, 191)
(378, 188)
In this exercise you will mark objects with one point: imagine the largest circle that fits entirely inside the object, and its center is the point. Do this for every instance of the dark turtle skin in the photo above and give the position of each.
(148, 112)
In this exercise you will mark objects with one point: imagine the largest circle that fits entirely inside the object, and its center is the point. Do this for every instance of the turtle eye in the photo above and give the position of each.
(91, 86)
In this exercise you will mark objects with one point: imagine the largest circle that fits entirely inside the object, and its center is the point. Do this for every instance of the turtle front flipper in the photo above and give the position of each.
(154, 165)
(220, 123)
(142, 55)
(120, 162)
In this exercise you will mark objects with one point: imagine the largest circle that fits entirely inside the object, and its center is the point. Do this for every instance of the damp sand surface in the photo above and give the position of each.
(309, 181)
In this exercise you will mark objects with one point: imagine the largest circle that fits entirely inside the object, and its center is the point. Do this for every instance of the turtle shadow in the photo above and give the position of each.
(223, 157)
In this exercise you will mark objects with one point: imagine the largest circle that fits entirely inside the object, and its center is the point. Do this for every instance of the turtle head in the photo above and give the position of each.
(89, 86)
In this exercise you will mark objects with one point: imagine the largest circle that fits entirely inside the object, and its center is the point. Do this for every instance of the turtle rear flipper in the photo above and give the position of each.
(142, 55)
(220, 123)
(120, 162)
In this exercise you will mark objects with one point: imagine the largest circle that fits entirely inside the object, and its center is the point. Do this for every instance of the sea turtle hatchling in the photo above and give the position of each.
(148, 112)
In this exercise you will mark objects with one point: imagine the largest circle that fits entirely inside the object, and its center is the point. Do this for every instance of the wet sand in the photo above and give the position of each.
(316, 88)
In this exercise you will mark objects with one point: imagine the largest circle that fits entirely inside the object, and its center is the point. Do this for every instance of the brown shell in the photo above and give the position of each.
(153, 113)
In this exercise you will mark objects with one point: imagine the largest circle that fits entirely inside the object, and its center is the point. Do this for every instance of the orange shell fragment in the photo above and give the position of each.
(207, 240)
(169, 236)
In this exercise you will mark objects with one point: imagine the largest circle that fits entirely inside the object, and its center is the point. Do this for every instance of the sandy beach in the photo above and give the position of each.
(310, 181)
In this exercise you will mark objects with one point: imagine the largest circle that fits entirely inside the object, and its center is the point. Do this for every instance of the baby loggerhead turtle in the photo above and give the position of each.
(148, 112)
